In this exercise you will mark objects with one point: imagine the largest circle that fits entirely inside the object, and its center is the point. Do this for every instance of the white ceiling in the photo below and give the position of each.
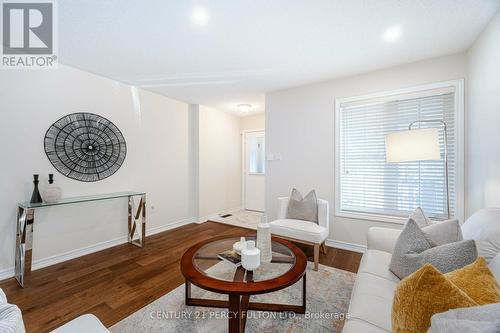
(248, 48)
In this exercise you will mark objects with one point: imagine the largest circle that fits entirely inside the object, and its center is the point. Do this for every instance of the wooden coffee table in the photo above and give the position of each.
(287, 267)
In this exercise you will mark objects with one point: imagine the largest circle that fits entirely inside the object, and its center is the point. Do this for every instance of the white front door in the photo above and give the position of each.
(254, 170)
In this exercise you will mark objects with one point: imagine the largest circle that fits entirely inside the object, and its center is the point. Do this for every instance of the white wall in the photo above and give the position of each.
(484, 119)
(219, 161)
(300, 126)
(257, 121)
(157, 133)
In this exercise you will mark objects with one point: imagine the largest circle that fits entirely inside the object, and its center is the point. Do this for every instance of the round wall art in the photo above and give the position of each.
(85, 146)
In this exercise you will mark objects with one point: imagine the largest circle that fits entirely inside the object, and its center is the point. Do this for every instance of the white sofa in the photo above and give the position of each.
(371, 300)
(11, 321)
(372, 295)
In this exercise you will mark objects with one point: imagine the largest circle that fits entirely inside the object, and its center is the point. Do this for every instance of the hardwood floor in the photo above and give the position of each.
(116, 282)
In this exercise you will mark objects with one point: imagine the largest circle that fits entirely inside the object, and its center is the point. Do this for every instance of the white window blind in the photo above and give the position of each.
(368, 184)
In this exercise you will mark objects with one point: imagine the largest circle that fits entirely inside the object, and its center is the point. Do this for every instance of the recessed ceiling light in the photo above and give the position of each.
(392, 34)
(199, 16)
(244, 107)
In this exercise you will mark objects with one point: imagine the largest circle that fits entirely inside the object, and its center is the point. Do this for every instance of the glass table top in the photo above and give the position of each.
(65, 201)
(206, 261)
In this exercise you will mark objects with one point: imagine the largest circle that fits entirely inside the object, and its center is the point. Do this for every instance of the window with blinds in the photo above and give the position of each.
(367, 183)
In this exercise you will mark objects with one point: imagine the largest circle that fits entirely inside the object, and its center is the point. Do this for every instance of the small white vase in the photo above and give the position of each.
(52, 193)
(264, 240)
(250, 257)
(238, 246)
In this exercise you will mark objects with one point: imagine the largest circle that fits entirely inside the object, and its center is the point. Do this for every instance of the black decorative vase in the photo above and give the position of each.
(36, 197)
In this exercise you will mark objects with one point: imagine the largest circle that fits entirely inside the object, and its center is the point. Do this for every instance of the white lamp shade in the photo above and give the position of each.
(412, 145)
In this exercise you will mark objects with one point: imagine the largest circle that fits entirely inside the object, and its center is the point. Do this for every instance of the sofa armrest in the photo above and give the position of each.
(83, 324)
(3, 298)
(382, 239)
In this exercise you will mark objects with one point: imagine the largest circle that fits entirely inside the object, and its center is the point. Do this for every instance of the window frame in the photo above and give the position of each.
(459, 109)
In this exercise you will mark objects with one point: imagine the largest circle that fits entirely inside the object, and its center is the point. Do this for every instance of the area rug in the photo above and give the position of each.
(243, 218)
(328, 295)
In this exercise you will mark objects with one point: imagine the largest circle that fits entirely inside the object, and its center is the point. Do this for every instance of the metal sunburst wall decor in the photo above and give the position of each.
(85, 146)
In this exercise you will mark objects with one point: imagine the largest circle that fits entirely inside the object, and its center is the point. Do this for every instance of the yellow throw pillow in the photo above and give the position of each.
(422, 294)
(477, 281)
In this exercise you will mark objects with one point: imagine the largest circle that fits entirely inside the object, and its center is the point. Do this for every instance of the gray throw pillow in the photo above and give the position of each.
(419, 217)
(413, 250)
(437, 232)
(305, 209)
(444, 232)
(476, 319)
(411, 241)
(449, 257)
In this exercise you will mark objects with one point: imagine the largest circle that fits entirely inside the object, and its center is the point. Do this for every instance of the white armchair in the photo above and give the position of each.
(11, 319)
(303, 231)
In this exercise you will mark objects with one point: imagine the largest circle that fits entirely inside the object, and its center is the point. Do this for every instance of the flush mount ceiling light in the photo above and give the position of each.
(244, 108)
(392, 34)
(199, 16)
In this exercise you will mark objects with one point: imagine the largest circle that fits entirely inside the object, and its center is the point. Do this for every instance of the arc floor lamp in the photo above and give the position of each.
(421, 144)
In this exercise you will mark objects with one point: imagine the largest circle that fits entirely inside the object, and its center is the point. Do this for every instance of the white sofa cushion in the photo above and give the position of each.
(377, 263)
(360, 326)
(484, 227)
(83, 324)
(371, 300)
(301, 230)
(382, 239)
(494, 266)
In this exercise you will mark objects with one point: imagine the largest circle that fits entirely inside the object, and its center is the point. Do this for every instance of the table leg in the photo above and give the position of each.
(188, 291)
(130, 218)
(234, 314)
(133, 221)
(143, 222)
(304, 293)
(245, 301)
(24, 245)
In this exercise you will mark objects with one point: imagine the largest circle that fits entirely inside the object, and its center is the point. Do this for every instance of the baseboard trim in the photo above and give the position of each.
(6, 273)
(346, 246)
(169, 226)
(58, 258)
(52, 260)
(216, 215)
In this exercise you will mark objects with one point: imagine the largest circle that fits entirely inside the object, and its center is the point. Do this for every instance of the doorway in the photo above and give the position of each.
(254, 177)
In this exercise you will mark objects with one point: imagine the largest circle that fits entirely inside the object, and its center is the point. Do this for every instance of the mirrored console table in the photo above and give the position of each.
(26, 219)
